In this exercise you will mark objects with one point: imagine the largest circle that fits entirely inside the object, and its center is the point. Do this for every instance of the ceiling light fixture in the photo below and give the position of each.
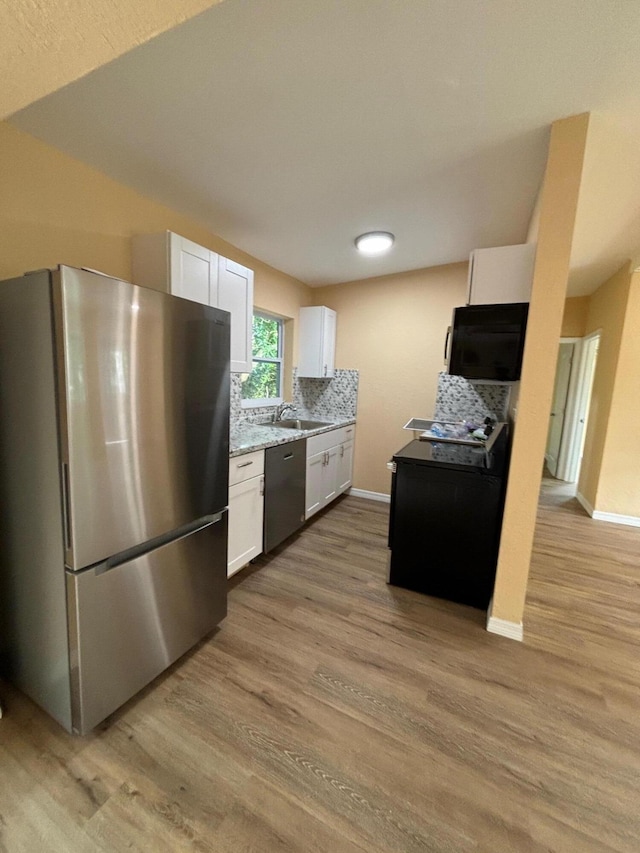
(374, 242)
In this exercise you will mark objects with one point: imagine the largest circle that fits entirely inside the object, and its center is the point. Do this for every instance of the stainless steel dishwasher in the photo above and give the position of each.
(284, 483)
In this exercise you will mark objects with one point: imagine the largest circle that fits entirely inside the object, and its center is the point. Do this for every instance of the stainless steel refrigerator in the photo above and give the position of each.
(114, 456)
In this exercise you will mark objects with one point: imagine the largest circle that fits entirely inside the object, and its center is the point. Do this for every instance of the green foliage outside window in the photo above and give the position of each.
(265, 380)
(266, 337)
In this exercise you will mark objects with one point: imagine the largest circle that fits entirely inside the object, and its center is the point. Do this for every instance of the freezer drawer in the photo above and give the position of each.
(127, 624)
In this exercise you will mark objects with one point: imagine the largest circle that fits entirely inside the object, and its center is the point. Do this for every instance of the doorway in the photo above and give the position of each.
(570, 407)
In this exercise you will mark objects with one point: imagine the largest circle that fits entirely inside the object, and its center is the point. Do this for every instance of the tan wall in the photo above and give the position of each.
(608, 454)
(607, 231)
(555, 232)
(619, 487)
(45, 45)
(54, 209)
(392, 329)
(574, 319)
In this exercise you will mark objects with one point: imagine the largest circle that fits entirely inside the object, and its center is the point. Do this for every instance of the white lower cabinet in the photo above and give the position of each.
(345, 466)
(314, 483)
(329, 467)
(246, 509)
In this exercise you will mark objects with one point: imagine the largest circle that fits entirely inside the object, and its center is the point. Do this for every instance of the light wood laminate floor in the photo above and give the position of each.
(332, 712)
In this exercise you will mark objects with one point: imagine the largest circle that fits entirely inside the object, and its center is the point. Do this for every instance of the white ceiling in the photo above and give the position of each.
(290, 127)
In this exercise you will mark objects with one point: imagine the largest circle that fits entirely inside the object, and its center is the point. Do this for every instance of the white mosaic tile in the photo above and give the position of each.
(313, 398)
(320, 398)
(458, 399)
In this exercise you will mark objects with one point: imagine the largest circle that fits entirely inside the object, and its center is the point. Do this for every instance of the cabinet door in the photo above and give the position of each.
(246, 511)
(330, 480)
(193, 271)
(235, 294)
(328, 342)
(314, 488)
(501, 274)
(345, 466)
(316, 356)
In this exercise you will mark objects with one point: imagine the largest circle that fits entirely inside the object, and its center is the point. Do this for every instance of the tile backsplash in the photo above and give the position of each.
(458, 399)
(314, 398)
(324, 397)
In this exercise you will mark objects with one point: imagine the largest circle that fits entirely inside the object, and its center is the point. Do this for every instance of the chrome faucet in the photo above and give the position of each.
(282, 408)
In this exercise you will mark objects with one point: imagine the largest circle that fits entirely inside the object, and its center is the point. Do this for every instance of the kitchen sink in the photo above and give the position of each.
(298, 424)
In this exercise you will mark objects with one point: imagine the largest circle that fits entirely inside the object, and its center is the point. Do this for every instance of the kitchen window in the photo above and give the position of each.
(263, 386)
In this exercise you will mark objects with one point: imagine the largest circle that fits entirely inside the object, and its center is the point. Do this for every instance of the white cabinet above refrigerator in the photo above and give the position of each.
(169, 262)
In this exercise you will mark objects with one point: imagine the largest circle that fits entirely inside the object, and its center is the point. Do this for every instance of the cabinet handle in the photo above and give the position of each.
(289, 456)
(325, 370)
(350, 430)
(341, 450)
(244, 464)
(262, 485)
(325, 458)
(446, 343)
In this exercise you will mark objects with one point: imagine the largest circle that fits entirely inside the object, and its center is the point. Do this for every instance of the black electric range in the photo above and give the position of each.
(447, 501)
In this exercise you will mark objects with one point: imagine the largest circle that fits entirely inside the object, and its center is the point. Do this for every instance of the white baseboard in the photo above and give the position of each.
(584, 503)
(371, 496)
(512, 630)
(614, 518)
(611, 517)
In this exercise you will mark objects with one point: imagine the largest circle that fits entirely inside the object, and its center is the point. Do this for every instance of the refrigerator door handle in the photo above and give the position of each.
(153, 544)
(66, 506)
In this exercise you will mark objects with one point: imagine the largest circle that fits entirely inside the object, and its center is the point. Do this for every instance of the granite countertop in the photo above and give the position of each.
(247, 437)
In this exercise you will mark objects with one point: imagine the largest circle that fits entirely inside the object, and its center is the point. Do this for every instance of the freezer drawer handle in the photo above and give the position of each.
(244, 464)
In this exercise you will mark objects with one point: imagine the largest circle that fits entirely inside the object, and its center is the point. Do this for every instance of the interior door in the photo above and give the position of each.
(559, 405)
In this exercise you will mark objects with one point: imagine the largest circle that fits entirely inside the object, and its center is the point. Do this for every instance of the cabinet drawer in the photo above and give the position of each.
(244, 467)
(317, 443)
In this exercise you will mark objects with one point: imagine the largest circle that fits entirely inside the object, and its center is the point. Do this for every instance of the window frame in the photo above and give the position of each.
(251, 403)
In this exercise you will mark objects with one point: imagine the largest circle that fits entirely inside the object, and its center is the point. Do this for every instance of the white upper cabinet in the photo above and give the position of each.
(170, 262)
(502, 274)
(317, 347)
(235, 293)
(193, 271)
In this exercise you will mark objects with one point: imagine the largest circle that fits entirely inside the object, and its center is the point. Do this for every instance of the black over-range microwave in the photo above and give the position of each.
(487, 341)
